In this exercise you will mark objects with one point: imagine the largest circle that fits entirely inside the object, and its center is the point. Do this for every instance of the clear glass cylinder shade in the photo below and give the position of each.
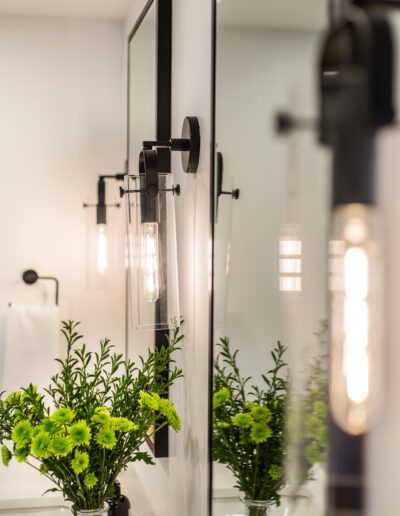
(153, 270)
(355, 318)
(222, 252)
(105, 260)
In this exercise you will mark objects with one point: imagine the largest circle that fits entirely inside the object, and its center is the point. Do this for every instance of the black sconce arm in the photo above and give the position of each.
(148, 168)
(188, 145)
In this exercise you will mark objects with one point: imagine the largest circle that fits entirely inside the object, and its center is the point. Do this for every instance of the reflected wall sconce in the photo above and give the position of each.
(235, 193)
(152, 244)
(219, 170)
(101, 245)
(356, 100)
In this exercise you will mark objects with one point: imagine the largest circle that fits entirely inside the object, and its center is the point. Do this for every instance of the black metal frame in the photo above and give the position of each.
(213, 215)
(160, 445)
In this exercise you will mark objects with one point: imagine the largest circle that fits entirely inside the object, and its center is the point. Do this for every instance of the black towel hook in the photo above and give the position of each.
(30, 277)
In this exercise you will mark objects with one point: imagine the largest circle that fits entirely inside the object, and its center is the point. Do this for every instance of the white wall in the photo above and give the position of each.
(383, 457)
(61, 105)
(178, 485)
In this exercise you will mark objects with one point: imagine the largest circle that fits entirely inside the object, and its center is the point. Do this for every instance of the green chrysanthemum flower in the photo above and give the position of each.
(243, 420)
(90, 480)
(40, 444)
(221, 397)
(21, 453)
(148, 401)
(43, 469)
(261, 413)
(250, 405)
(223, 424)
(260, 432)
(275, 472)
(122, 424)
(49, 425)
(60, 446)
(106, 438)
(79, 433)
(6, 455)
(36, 430)
(21, 434)
(63, 416)
(168, 410)
(98, 410)
(81, 462)
(101, 418)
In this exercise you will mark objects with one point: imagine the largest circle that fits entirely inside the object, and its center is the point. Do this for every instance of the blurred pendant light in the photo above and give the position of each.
(102, 242)
(356, 100)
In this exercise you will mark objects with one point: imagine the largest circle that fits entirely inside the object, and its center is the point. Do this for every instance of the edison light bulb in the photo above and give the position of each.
(150, 262)
(102, 249)
(356, 336)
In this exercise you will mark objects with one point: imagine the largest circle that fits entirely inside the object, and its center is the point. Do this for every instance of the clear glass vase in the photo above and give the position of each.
(94, 512)
(295, 505)
(257, 507)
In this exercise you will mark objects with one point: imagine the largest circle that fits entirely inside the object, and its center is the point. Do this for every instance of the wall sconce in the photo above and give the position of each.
(102, 250)
(152, 244)
(356, 92)
(188, 144)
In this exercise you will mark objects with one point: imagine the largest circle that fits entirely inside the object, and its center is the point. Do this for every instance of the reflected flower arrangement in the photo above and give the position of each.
(249, 424)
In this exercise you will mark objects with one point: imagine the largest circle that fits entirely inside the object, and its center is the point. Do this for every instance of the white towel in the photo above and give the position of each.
(32, 342)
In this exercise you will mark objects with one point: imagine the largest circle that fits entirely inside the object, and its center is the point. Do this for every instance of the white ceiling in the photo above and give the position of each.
(274, 14)
(108, 9)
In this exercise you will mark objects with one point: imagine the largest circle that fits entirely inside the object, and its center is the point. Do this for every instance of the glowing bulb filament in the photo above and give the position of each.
(150, 262)
(357, 341)
(356, 322)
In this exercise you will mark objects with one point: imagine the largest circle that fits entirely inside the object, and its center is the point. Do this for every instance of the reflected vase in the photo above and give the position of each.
(257, 507)
(295, 505)
(94, 512)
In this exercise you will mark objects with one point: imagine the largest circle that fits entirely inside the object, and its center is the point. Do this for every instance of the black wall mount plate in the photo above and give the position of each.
(191, 132)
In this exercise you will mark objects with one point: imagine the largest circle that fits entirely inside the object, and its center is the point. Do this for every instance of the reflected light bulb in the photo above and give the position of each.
(150, 262)
(102, 249)
(356, 337)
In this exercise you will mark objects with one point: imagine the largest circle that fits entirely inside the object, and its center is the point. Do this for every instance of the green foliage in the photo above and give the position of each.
(313, 410)
(249, 424)
(99, 420)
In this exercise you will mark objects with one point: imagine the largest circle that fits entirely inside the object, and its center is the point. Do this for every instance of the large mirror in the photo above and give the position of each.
(271, 208)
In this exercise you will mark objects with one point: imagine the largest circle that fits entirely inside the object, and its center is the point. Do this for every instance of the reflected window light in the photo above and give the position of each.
(290, 266)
